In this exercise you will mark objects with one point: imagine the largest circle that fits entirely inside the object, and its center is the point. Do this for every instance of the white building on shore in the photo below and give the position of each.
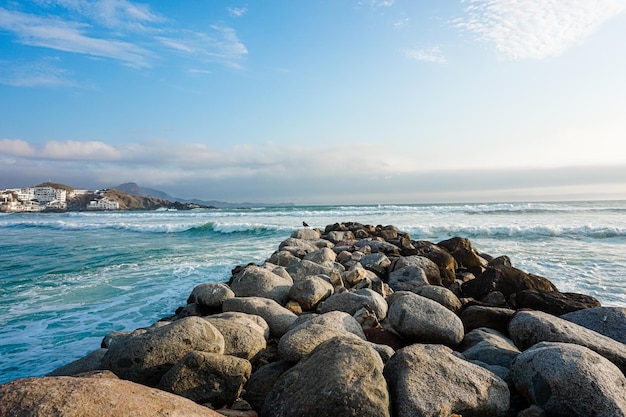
(103, 203)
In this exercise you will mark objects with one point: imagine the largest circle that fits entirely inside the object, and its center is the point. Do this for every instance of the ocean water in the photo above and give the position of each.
(68, 279)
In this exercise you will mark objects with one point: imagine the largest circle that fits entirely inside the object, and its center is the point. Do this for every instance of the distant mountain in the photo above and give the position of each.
(135, 189)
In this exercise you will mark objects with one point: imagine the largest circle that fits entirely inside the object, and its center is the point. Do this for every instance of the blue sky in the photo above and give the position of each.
(317, 102)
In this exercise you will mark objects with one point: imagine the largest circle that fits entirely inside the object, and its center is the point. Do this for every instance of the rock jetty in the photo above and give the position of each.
(355, 320)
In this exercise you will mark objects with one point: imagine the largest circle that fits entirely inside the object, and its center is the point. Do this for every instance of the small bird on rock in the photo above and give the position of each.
(305, 224)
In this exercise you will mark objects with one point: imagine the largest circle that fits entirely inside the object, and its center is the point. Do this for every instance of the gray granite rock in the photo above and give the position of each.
(608, 321)
(570, 380)
(256, 281)
(277, 317)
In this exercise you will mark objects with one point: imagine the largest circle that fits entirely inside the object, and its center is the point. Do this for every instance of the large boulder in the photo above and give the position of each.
(531, 327)
(376, 262)
(430, 268)
(553, 302)
(253, 321)
(608, 321)
(306, 268)
(423, 320)
(507, 280)
(568, 380)
(256, 281)
(407, 278)
(429, 381)
(146, 354)
(351, 302)
(262, 381)
(210, 295)
(88, 363)
(302, 340)
(240, 340)
(496, 318)
(308, 292)
(342, 377)
(442, 295)
(464, 253)
(92, 397)
(323, 256)
(207, 378)
(306, 234)
(489, 346)
(277, 317)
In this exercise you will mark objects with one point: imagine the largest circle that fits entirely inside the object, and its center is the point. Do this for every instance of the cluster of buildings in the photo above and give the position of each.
(48, 198)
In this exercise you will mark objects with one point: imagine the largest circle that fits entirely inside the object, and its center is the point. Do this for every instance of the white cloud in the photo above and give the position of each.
(400, 24)
(43, 73)
(70, 37)
(75, 150)
(433, 55)
(536, 29)
(16, 147)
(237, 11)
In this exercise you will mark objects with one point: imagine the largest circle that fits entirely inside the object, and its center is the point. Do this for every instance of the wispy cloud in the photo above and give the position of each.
(536, 29)
(120, 30)
(237, 11)
(66, 36)
(401, 24)
(42, 73)
(432, 54)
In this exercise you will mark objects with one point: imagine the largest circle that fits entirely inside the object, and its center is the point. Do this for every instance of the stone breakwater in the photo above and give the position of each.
(355, 320)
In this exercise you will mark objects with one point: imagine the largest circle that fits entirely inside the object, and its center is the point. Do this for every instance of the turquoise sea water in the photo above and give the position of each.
(68, 279)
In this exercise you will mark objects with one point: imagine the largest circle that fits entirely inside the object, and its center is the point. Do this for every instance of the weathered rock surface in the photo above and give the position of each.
(92, 397)
(145, 355)
(429, 381)
(255, 322)
(553, 302)
(423, 320)
(489, 346)
(430, 268)
(210, 295)
(277, 317)
(496, 318)
(256, 281)
(88, 363)
(351, 302)
(608, 321)
(336, 320)
(407, 278)
(308, 292)
(442, 295)
(531, 327)
(240, 340)
(262, 381)
(306, 268)
(306, 233)
(207, 378)
(570, 380)
(301, 341)
(349, 383)
(507, 280)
